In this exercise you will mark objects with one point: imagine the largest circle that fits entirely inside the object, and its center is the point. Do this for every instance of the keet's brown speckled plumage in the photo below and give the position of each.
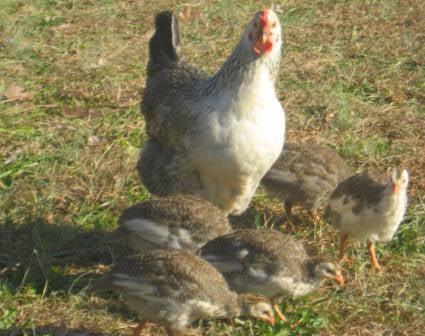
(179, 222)
(267, 262)
(305, 174)
(174, 288)
(366, 190)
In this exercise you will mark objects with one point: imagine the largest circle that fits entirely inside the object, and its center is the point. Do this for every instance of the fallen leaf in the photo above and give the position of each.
(15, 92)
(73, 112)
(12, 157)
(50, 219)
(93, 140)
(63, 26)
(94, 114)
(187, 14)
(78, 112)
(277, 9)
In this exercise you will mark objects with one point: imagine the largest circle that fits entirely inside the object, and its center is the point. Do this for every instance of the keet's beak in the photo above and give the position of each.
(271, 321)
(339, 279)
(395, 188)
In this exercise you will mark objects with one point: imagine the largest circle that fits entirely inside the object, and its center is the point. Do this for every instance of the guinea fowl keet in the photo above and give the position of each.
(214, 136)
(175, 288)
(268, 262)
(177, 222)
(367, 208)
(305, 174)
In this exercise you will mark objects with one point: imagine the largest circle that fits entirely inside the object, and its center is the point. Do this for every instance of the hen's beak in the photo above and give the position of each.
(263, 44)
(339, 279)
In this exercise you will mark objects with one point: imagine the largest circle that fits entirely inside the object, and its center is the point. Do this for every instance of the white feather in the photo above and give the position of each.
(292, 288)
(134, 285)
(148, 230)
(243, 253)
(258, 273)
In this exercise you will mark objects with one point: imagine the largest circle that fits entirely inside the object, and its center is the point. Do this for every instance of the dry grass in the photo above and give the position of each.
(352, 76)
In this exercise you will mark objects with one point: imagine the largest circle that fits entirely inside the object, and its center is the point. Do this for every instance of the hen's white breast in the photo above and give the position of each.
(242, 136)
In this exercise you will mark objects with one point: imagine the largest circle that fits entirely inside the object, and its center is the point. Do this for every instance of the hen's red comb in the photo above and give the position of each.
(264, 18)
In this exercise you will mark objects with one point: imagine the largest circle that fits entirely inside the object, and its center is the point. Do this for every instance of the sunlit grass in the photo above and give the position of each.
(351, 76)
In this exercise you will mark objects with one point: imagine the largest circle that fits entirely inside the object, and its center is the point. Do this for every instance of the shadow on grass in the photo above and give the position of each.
(53, 257)
(64, 257)
(51, 330)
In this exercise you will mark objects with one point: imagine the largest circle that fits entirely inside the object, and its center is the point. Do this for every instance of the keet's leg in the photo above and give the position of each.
(372, 255)
(277, 310)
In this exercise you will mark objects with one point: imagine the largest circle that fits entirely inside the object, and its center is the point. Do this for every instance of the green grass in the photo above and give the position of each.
(352, 76)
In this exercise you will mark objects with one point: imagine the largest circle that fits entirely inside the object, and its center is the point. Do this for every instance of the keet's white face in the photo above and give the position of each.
(330, 271)
(262, 311)
(399, 180)
(264, 33)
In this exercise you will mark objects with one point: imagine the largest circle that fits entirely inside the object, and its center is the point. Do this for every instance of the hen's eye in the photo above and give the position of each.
(274, 25)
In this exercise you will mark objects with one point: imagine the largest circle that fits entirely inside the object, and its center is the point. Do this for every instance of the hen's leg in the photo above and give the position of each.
(288, 208)
(139, 328)
(372, 254)
(342, 241)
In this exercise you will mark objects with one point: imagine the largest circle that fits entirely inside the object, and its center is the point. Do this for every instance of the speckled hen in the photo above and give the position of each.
(214, 136)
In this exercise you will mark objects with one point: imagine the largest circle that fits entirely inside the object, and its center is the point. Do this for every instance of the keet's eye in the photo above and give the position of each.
(274, 25)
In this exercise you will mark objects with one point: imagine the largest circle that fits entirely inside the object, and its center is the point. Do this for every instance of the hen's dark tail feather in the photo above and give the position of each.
(164, 46)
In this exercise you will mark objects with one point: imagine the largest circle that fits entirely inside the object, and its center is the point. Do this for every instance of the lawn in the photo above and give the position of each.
(71, 72)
